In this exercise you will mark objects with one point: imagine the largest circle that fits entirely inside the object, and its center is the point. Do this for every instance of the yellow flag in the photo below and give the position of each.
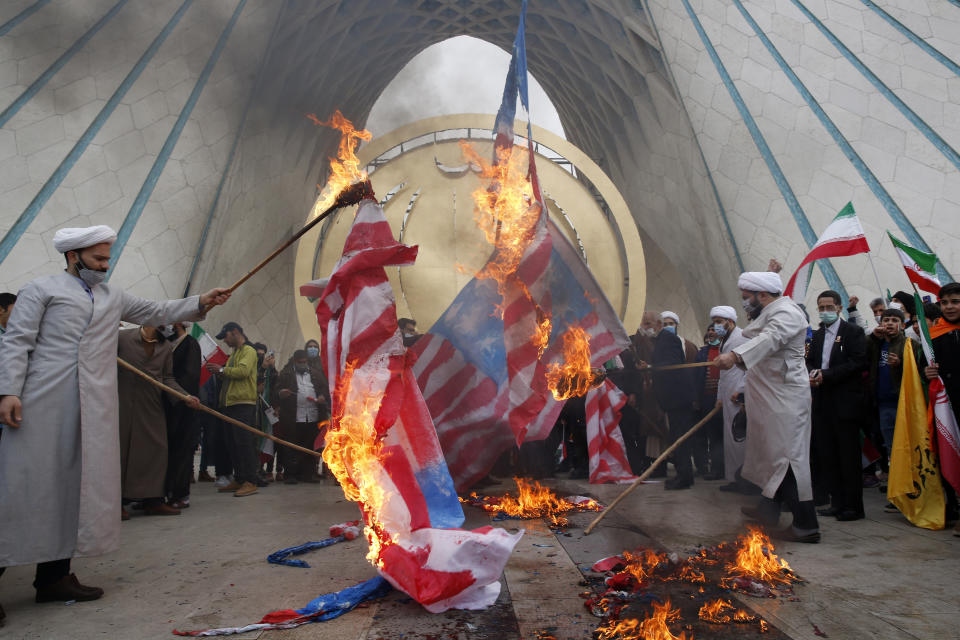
(914, 483)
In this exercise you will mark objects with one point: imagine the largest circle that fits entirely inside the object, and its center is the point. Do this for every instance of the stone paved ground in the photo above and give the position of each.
(877, 578)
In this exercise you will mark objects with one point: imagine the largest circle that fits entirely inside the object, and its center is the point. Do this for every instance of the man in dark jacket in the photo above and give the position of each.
(675, 394)
(836, 362)
(885, 370)
(303, 399)
(183, 431)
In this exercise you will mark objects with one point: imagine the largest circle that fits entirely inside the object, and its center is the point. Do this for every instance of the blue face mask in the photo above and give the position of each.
(828, 317)
(713, 342)
(719, 329)
(672, 329)
(313, 352)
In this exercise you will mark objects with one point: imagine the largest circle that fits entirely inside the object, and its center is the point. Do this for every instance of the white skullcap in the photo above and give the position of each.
(82, 237)
(670, 315)
(724, 312)
(760, 281)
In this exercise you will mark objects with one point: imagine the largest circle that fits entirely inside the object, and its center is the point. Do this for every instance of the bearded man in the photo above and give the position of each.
(777, 395)
(60, 455)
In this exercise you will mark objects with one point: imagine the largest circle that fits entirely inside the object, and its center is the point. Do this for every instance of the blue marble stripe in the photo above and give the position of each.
(917, 40)
(942, 146)
(20, 17)
(133, 215)
(829, 273)
(866, 174)
(19, 227)
(713, 185)
(60, 62)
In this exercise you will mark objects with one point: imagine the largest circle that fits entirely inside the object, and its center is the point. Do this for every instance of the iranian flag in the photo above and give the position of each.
(844, 237)
(921, 267)
(210, 351)
(940, 416)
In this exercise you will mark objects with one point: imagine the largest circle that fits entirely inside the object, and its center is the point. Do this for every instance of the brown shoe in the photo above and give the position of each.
(160, 509)
(203, 476)
(124, 514)
(230, 488)
(246, 489)
(67, 588)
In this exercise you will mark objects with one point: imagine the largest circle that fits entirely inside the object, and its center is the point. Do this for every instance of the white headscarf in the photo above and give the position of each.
(670, 315)
(760, 281)
(72, 239)
(724, 312)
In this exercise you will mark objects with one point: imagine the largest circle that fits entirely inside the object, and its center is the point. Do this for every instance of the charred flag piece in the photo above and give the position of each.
(381, 443)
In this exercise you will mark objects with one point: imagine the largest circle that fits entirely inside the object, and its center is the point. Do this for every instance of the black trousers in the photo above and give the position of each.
(48, 572)
(242, 444)
(804, 513)
(680, 422)
(836, 461)
(707, 447)
(634, 440)
(183, 435)
(298, 464)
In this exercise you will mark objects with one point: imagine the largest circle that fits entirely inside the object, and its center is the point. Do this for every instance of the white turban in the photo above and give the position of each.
(760, 281)
(724, 312)
(670, 315)
(82, 237)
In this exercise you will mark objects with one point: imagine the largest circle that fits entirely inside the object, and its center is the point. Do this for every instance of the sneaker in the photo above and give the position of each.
(890, 508)
(246, 489)
(223, 481)
(230, 488)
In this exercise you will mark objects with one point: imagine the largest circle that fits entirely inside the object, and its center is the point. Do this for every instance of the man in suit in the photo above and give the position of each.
(837, 361)
(675, 394)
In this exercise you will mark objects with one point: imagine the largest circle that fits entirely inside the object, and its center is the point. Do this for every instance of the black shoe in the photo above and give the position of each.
(67, 588)
(849, 514)
(828, 512)
(789, 535)
(677, 483)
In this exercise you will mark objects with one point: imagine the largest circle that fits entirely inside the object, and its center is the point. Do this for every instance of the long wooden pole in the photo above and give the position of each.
(686, 365)
(126, 365)
(646, 474)
(351, 195)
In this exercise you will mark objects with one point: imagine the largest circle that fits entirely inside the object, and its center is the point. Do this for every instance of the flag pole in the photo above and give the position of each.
(656, 463)
(132, 369)
(876, 275)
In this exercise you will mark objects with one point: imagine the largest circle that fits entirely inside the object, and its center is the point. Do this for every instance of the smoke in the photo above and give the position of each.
(459, 75)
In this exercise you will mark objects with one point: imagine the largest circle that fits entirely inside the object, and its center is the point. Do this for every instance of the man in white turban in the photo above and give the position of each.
(729, 387)
(777, 398)
(60, 451)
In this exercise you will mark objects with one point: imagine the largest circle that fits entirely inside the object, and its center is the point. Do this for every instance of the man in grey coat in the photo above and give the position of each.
(60, 455)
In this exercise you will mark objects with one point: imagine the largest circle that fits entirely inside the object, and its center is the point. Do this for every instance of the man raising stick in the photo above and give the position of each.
(60, 461)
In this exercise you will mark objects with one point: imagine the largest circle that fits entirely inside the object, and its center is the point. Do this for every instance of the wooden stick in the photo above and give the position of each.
(126, 365)
(351, 195)
(646, 474)
(686, 365)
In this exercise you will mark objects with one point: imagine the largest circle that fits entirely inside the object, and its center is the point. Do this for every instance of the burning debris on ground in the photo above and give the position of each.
(644, 594)
(533, 500)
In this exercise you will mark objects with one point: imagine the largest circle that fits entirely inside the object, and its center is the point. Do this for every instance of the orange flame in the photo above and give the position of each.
(345, 169)
(575, 376)
(755, 559)
(353, 453)
(642, 566)
(717, 613)
(690, 574)
(654, 627)
(536, 501)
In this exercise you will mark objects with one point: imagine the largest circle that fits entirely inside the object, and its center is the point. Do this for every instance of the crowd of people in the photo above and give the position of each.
(795, 403)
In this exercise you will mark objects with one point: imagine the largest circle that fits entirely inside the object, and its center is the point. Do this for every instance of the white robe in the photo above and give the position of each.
(732, 381)
(778, 398)
(60, 471)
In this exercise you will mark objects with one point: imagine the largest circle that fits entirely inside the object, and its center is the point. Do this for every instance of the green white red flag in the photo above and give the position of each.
(210, 351)
(921, 267)
(843, 237)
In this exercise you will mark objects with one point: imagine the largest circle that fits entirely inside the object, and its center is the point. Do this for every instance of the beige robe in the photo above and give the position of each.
(60, 471)
(143, 425)
(777, 396)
